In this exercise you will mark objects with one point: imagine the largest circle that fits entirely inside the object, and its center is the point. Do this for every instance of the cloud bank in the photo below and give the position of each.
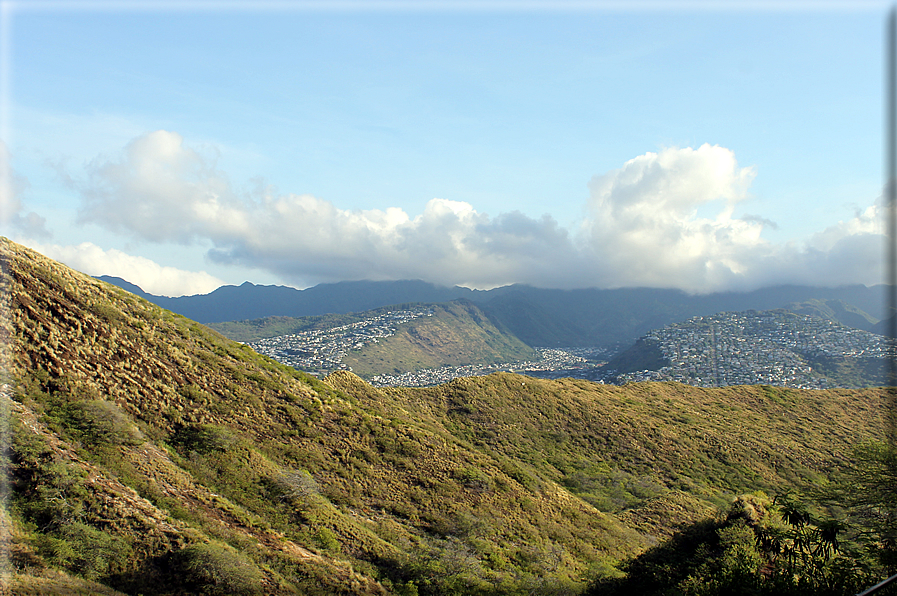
(643, 228)
(148, 275)
(12, 211)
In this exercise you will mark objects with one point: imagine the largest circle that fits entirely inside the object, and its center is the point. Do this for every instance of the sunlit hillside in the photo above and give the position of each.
(151, 455)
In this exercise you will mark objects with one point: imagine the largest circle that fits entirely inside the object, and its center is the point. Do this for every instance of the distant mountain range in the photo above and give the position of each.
(538, 317)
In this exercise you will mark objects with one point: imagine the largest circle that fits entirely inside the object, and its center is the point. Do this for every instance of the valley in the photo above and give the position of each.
(321, 351)
(552, 363)
(776, 347)
(326, 349)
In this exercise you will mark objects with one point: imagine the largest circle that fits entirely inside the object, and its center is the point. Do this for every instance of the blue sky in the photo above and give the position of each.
(702, 146)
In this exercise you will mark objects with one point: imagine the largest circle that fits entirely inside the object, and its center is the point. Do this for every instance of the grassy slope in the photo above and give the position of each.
(144, 443)
(314, 489)
(458, 333)
(615, 446)
(835, 310)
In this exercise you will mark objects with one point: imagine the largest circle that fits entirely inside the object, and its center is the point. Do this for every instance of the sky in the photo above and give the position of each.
(705, 146)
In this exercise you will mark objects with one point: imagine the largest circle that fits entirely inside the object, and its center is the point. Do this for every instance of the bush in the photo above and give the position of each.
(100, 423)
(215, 568)
(327, 540)
(195, 394)
(298, 485)
(473, 479)
(205, 438)
(84, 550)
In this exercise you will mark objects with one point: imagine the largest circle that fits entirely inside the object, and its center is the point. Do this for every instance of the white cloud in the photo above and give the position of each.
(850, 251)
(449, 242)
(644, 228)
(161, 190)
(12, 214)
(868, 222)
(164, 191)
(148, 275)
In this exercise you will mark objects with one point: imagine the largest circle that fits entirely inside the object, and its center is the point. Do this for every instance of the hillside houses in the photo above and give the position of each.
(322, 350)
(751, 347)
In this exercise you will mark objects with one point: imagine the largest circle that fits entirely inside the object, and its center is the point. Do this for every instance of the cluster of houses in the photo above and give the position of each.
(755, 347)
(729, 348)
(553, 363)
(322, 350)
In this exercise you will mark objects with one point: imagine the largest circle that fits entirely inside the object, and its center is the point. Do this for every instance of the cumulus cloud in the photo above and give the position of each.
(449, 242)
(12, 211)
(646, 226)
(644, 229)
(148, 275)
(846, 252)
(162, 190)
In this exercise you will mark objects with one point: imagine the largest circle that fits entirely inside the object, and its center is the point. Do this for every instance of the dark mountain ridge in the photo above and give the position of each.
(250, 301)
(538, 317)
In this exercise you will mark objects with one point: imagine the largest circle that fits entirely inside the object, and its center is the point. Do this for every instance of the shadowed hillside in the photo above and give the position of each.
(537, 316)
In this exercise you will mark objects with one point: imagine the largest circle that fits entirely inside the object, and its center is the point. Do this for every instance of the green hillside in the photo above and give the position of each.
(255, 329)
(458, 333)
(616, 447)
(835, 310)
(151, 455)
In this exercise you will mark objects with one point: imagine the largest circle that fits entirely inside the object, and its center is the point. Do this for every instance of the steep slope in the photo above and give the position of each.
(619, 447)
(148, 451)
(104, 381)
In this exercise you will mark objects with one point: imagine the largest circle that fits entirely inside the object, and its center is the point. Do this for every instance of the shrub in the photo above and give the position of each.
(100, 422)
(84, 549)
(107, 312)
(473, 479)
(327, 540)
(298, 485)
(215, 568)
(205, 438)
(195, 394)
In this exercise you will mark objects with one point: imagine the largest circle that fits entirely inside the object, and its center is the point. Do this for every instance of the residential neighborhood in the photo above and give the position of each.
(554, 363)
(730, 348)
(755, 347)
(321, 351)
